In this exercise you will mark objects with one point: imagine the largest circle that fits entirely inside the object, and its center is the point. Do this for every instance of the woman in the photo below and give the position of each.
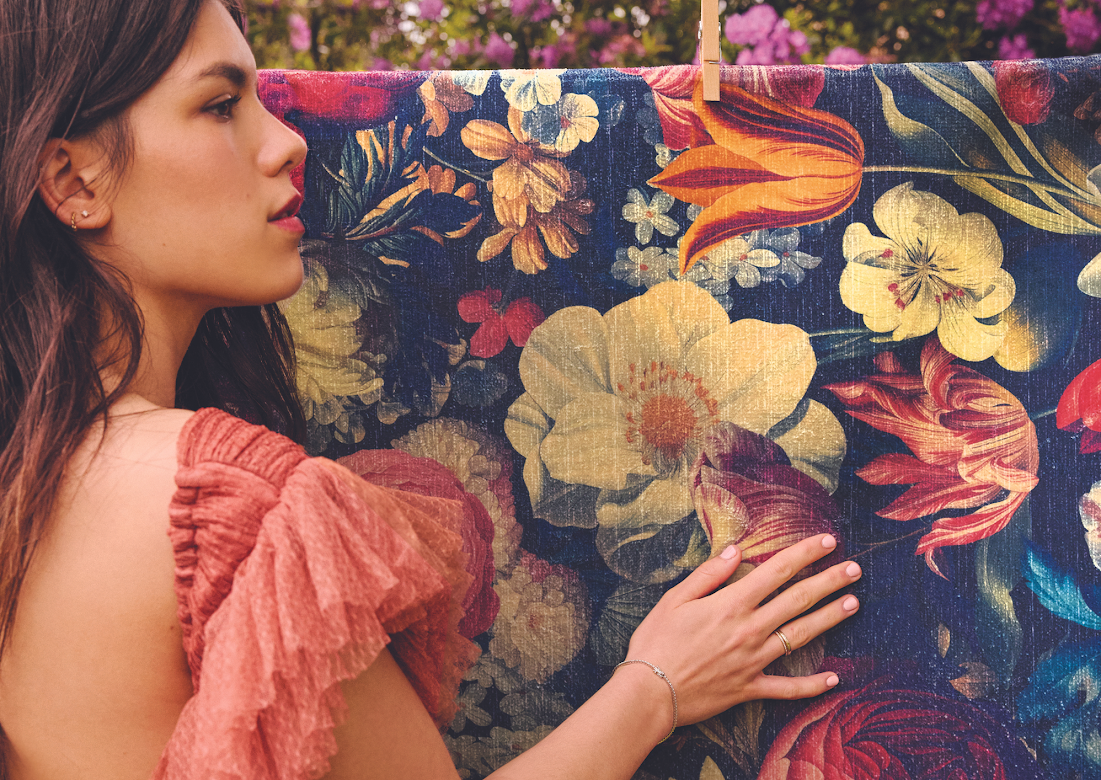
(148, 227)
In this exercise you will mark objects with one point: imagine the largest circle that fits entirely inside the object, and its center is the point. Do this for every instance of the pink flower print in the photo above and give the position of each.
(517, 322)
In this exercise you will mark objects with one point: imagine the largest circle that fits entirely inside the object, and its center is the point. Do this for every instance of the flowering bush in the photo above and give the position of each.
(468, 34)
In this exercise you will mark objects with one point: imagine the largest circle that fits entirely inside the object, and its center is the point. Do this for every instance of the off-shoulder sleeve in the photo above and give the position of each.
(292, 574)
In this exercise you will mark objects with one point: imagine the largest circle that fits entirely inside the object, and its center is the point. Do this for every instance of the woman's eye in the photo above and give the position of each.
(224, 108)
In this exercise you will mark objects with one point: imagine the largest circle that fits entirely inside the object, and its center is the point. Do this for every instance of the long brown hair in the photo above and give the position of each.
(70, 69)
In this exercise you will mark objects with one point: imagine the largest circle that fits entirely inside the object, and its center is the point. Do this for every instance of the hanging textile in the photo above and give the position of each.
(637, 326)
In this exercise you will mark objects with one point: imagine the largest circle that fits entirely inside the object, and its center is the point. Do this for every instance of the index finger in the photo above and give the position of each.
(756, 586)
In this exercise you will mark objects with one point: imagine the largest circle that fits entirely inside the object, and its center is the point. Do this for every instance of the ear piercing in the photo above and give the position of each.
(72, 222)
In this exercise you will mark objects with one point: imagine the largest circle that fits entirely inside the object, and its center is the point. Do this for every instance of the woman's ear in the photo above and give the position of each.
(72, 184)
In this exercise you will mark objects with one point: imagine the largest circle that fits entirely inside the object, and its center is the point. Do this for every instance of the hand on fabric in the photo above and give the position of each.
(714, 642)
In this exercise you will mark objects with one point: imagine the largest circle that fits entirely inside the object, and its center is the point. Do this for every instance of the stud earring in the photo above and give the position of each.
(72, 221)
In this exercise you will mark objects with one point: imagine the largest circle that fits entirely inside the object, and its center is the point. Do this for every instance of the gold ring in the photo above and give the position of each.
(784, 641)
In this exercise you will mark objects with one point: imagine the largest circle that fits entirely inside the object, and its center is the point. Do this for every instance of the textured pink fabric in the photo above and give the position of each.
(292, 574)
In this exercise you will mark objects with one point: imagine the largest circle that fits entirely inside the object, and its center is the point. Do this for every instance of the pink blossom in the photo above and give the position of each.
(598, 28)
(618, 49)
(429, 61)
(752, 27)
(431, 10)
(993, 14)
(462, 47)
(546, 56)
(382, 64)
(542, 12)
(499, 51)
(845, 55)
(1081, 27)
(1015, 48)
(758, 55)
(299, 32)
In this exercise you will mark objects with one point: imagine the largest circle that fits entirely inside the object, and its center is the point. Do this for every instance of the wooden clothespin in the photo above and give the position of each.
(709, 48)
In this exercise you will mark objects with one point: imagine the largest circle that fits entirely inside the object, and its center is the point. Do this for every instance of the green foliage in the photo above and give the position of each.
(376, 34)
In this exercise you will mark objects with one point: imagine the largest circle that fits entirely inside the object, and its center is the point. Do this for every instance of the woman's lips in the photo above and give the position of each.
(293, 224)
(285, 218)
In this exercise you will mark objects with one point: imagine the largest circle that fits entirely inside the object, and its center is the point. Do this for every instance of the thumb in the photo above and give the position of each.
(709, 576)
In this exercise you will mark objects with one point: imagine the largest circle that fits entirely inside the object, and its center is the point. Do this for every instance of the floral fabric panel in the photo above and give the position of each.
(632, 327)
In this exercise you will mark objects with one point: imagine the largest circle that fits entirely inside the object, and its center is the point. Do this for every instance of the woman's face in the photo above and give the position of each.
(199, 218)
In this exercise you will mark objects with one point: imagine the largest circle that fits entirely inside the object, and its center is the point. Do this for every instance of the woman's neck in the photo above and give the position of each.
(169, 328)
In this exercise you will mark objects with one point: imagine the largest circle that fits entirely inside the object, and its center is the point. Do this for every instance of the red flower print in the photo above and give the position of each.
(1025, 90)
(973, 444)
(516, 323)
(886, 729)
(362, 100)
(746, 492)
(1080, 408)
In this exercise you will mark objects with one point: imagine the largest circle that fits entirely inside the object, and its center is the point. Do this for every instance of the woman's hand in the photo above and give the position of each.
(714, 642)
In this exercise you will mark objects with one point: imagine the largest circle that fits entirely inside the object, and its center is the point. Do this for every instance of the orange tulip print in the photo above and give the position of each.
(772, 165)
(973, 445)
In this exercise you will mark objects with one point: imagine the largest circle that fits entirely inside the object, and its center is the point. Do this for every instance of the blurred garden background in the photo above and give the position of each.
(482, 34)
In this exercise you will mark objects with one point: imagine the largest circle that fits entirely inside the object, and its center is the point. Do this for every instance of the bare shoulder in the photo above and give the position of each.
(97, 622)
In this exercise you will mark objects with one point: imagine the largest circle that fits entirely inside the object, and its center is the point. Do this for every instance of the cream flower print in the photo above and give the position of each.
(649, 215)
(565, 124)
(644, 267)
(742, 258)
(544, 618)
(617, 407)
(1089, 511)
(473, 81)
(936, 269)
(663, 155)
(526, 89)
(330, 369)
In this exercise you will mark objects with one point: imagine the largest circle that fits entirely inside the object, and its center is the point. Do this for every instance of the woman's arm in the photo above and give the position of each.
(712, 642)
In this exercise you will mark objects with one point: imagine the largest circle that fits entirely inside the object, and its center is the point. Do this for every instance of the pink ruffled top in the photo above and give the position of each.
(292, 574)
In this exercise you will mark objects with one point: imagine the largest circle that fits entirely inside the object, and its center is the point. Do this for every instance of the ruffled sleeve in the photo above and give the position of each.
(292, 575)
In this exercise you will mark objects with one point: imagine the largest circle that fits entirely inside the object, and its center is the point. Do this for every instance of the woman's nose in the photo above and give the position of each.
(286, 148)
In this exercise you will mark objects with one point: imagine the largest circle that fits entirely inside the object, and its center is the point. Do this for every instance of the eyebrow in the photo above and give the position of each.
(235, 74)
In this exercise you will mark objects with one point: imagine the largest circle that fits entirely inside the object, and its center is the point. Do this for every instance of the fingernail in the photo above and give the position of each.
(829, 542)
(729, 552)
(853, 570)
(850, 603)
(832, 680)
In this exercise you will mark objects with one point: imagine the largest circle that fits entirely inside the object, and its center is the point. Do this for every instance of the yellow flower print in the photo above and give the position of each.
(527, 176)
(617, 407)
(936, 269)
(322, 321)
